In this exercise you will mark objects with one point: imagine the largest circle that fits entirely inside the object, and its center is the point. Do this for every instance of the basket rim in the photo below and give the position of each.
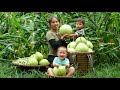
(108, 43)
(29, 65)
(81, 53)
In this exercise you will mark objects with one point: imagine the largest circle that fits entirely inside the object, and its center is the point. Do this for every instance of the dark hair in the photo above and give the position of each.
(50, 19)
(81, 20)
(62, 47)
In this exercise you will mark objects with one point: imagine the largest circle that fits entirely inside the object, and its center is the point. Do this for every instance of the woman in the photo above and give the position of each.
(54, 38)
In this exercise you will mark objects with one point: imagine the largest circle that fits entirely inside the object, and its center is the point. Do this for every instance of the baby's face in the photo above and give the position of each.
(62, 53)
(79, 25)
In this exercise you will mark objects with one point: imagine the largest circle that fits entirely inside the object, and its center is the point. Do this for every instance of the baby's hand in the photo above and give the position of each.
(66, 66)
(56, 65)
(71, 65)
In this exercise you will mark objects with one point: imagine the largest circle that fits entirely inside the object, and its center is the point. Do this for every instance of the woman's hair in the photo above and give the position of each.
(50, 19)
(81, 20)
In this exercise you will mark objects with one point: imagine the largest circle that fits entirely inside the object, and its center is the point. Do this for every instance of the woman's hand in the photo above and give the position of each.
(65, 36)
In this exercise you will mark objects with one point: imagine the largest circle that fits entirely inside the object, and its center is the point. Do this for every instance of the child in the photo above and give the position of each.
(62, 60)
(80, 28)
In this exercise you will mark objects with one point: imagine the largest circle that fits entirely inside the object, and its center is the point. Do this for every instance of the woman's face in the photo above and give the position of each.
(54, 24)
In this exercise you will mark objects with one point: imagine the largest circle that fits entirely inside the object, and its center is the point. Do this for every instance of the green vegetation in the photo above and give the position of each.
(9, 71)
(22, 34)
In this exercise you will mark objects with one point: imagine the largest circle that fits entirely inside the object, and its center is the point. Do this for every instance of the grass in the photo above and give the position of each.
(106, 71)
(7, 70)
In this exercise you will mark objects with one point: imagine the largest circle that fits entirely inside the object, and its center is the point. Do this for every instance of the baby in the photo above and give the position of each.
(62, 60)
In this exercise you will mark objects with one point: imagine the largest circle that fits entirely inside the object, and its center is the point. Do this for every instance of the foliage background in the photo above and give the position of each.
(22, 34)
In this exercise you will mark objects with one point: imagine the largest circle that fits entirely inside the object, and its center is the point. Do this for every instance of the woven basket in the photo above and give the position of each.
(81, 62)
(42, 68)
(29, 66)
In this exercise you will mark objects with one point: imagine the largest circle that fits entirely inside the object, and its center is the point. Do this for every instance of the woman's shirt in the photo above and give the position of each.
(54, 41)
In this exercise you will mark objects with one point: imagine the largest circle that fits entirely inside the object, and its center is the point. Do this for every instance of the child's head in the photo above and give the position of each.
(62, 52)
(80, 23)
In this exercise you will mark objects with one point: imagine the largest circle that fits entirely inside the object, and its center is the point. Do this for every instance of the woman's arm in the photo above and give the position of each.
(61, 42)
(55, 44)
(72, 35)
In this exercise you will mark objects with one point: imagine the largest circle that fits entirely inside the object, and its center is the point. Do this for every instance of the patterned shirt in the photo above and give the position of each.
(80, 32)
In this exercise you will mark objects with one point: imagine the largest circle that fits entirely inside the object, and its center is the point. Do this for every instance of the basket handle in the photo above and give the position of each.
(74, 58)
(91, 62)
